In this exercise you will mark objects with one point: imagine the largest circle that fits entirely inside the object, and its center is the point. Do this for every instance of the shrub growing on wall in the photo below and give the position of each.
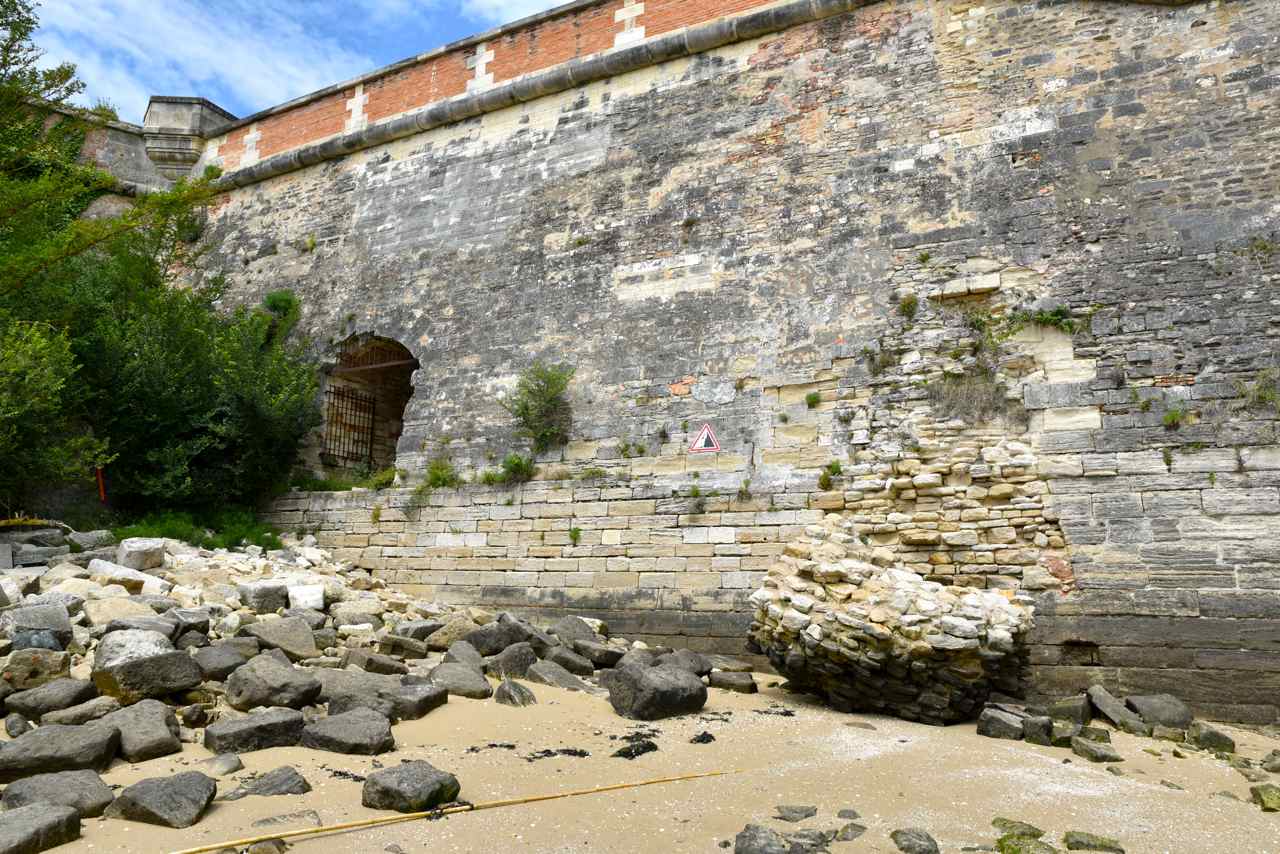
(541, 407)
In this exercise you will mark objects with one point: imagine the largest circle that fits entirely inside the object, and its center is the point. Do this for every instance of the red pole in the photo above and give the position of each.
(102, 487)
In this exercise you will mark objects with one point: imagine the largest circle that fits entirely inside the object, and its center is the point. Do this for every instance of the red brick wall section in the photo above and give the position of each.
(539, 46)
(550, 43)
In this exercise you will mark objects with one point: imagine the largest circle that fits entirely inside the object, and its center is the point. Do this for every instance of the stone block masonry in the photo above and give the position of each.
(1012, 266)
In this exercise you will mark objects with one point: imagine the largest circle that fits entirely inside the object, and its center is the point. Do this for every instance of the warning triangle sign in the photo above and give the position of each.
(706, 443)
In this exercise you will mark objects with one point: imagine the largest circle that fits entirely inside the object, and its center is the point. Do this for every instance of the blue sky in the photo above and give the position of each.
(246, 55)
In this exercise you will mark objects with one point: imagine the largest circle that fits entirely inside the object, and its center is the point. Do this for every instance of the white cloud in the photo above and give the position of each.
(247, 55)
(505, 11)
(254, 54)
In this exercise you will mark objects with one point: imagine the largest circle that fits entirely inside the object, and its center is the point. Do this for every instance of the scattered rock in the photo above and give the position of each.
(59, 748)
(1116, 712)
(176, 801)
(222, 764)
(50, 697)
(141, 553)
(1012, 827)
(514, 661)
(570, 661)
(218, 661)
(455, 628)
(83, 791)
(793, 813)
(514, 694)
(264, 597)
(1209, 737)
(570, 629)
(756, 839)
(1267, 796)
(290, 635)
(493, 638)
(741, 683)
(1271, 762)
(359, 731)
(147, 729)
(51, 619)
(284, 780)
(461, 680)
(409, 787)
(1094, 751)
(15, 725)
(686, 659)
(850, 832)
(38, 827)
(599, 654)
(650, 693)
(266, 681)
(33, 667)
(703, 737)
(1076, 709)
(1161, 709)
(913, 840)
(550, 673)
(995, 723)
(1077, 840)
(135, 664)
(273, 728)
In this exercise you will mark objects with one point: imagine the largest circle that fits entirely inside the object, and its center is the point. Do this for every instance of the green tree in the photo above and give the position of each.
(106, 360)
(541, 406)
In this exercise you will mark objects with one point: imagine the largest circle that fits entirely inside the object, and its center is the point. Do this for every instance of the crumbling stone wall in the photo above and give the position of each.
(713, 239)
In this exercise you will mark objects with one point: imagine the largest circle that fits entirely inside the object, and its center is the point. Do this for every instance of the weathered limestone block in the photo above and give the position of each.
(875, 638)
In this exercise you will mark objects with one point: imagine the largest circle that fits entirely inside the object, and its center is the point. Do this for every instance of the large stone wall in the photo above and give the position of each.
(712, 239)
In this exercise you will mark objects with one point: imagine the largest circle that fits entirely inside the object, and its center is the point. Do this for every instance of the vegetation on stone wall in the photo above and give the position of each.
(106, 364)
(541, 406)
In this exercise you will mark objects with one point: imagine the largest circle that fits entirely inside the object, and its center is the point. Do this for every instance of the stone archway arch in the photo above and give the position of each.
(366, 390)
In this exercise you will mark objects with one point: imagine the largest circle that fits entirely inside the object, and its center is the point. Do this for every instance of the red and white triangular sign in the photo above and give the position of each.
(706, 442)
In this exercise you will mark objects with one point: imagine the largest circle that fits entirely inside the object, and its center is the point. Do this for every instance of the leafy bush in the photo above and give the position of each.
(908, 306)
(1174, 418)
(441, 474)
(834, 468)
(36, 368)
(541, 407)
(975, 397)
(517, 469)
(592, 473)
(824, 481)
(575, 535)
(812, 399)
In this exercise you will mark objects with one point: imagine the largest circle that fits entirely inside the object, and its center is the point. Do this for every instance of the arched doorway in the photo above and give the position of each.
(364, 401)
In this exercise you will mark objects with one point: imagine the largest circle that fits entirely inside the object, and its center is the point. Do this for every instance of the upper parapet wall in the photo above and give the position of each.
(568, 46)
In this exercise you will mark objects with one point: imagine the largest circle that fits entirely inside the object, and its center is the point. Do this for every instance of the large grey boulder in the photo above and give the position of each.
(176, 801)
(913, 840)
(494, 637)
(373, 662)
(218, 661)
(757, 839)
(550, 673)
(461, 652)
(264, 597)
(409, 787)
(455, 629)
(514, 661)
(338, 683)
(359, 731)
(399, 703)
(998, 723)
(38, 827)
(148, 729)
(1210, 737)
(419, 630)
(570, 660)
(290, 635)
(33, 667)
(134, 664)
(1115, 712)
(650, 693)
(35, 703)
(272, 728)
(1094, 751)
(89, 710)
(461, 680)
(357, 613)
(59, 748)
(686, 659)
(738, 682)
(82, 790)
(570, 629)
(601, 655)
(266, 681)
(161, 623)
(511, 693)
(1161, 709)
(314, 619)
(141, 553)
(50, 618)
(89, 540)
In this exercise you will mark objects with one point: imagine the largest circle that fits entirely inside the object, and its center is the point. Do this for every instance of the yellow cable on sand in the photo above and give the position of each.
(436, 813)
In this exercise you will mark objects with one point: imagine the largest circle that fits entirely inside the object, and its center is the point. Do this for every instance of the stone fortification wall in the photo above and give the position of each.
(1023, 256)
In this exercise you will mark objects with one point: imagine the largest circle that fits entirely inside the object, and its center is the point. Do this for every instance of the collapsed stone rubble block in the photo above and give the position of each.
(868, 637)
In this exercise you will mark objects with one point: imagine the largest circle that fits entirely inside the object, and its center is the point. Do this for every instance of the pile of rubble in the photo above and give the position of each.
(163, 643)
(1068, 723)
(841, 622)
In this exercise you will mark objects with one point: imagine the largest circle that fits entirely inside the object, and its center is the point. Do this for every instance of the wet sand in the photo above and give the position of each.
(950, 782)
